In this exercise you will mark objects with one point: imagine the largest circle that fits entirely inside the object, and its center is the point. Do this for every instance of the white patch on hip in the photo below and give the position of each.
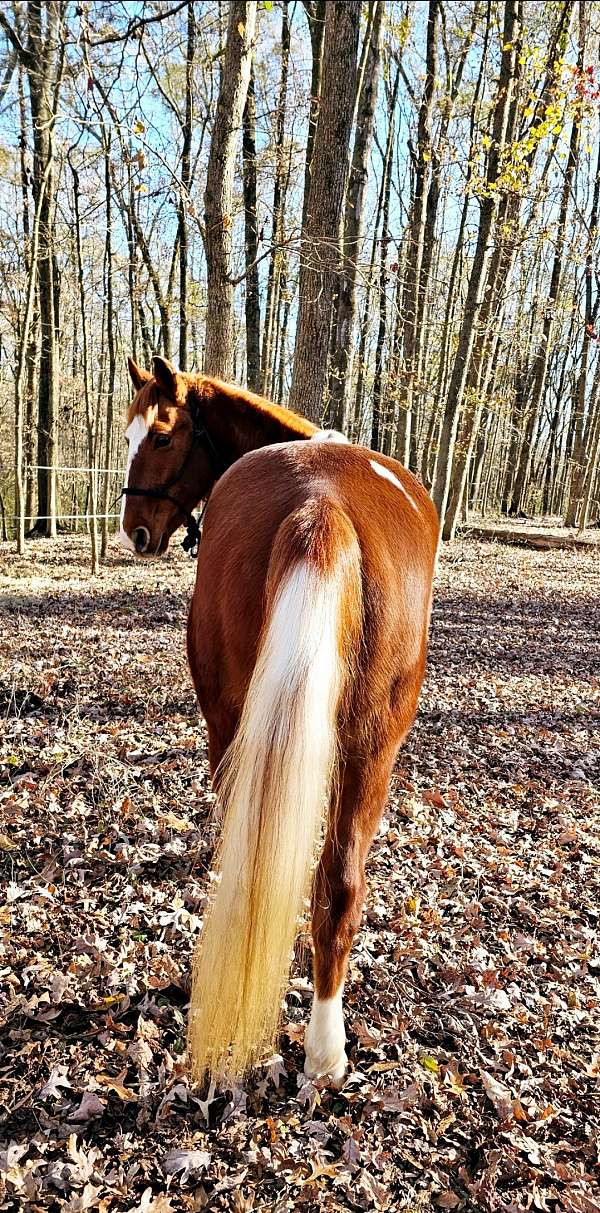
(325, 1039)
(387, 475)
(330, 436)
(135, 432)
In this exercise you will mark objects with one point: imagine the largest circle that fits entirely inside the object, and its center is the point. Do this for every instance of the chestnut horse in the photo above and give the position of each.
(306, 641)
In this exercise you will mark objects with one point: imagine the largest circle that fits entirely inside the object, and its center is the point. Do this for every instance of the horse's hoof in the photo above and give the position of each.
(334, 1070)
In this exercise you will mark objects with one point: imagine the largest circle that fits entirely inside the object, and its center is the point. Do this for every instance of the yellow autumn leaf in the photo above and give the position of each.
(241, 29)
(445, 1123)
(429, 1063)
(113, 1084)
(175, 823)
(328, 1169)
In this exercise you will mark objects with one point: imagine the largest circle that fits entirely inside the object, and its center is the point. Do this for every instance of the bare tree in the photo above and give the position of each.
(277, 255)
(380, 423)
(251, 241)
(42, 56)
(345, 316)
(414, 289)
(478, 276)
(218, 196)
(583, 425)
(184, 192)
(327, 183)
(315, 12)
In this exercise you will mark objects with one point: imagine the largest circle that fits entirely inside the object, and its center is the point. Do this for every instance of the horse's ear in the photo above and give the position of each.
(165, 375)
(137, 375)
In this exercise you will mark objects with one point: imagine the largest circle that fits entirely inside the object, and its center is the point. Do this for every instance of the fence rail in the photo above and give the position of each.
(9, 522)
(43, 467)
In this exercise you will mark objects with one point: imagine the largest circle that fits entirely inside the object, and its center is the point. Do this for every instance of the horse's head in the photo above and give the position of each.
(168, 470)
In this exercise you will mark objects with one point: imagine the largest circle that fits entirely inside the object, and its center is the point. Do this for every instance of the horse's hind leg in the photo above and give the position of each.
(221, 729)
(338, 897)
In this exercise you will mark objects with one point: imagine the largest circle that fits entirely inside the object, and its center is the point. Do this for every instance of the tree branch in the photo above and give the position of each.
(24, 55)
(136, 24)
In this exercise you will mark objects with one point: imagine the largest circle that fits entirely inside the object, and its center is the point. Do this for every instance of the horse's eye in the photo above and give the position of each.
(162, 439)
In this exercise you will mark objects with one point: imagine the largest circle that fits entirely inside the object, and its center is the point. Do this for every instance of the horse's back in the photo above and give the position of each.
(396, 527)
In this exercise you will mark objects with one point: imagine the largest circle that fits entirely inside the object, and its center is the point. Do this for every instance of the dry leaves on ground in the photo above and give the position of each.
(473, 994)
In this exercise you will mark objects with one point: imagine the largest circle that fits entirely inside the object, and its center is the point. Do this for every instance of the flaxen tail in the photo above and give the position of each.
(275, 788)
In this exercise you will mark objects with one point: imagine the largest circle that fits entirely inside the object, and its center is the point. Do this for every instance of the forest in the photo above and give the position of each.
(382, 215)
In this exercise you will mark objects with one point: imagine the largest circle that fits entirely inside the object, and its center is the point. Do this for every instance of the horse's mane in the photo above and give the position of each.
(223, 394)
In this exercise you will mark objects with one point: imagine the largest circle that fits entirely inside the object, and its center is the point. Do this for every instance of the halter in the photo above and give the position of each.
(200, 437)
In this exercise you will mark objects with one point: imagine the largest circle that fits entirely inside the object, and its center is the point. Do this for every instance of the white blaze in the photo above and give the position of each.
(135, 433)
(387, 475)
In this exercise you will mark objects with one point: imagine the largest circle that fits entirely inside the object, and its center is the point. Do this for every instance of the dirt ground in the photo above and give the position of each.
(473, 999)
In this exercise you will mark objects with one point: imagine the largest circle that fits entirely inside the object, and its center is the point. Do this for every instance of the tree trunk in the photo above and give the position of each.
(22, 349)
(89, 420)
(439, 153)
(218, 196)
(472, 417)
(137, 239)
(315, 12)
(482, 364)
(430, 453)
(541, 361)
(26, 422)
(275, 259)
(582, 432)
(321, 232)
(479, 270)
(414, 293)
(43, 59)
(251, 241)
(478, 461)
(186, 180)
(379, 422)
(341, 362)
(110, 341)
(594, 450)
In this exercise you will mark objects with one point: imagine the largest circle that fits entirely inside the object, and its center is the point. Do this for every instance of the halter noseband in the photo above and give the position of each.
(200, 437)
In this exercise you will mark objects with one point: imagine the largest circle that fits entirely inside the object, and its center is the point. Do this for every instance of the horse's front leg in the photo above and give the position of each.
(338, 897)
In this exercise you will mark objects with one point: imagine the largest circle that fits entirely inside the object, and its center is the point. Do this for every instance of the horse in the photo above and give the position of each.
(306, 642)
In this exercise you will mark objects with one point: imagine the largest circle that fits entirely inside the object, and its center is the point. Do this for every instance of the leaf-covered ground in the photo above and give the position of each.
(473, 1000)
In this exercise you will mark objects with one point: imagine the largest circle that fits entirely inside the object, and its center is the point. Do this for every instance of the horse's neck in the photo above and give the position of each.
(242, 421)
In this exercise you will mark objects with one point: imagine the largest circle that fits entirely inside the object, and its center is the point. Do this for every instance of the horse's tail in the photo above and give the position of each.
(275, 786)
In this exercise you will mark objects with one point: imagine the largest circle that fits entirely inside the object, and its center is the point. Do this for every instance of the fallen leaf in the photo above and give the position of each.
(89, 1109)
(498, 1095)
(183, 1162)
